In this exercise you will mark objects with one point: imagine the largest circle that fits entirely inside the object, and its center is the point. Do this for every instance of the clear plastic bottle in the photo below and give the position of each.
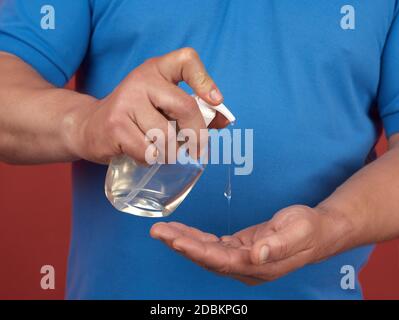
(156, 191)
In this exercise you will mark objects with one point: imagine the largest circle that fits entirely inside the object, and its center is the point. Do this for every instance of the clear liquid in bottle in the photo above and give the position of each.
(150, 192)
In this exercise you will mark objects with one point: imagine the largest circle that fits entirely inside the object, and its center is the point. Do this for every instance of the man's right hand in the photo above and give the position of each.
(146, 99)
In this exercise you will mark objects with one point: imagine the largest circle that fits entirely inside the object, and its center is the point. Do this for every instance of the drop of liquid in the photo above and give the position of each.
(227, 194)
(227, 190)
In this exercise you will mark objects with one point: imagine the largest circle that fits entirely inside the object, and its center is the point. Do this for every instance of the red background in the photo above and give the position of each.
(35, 213)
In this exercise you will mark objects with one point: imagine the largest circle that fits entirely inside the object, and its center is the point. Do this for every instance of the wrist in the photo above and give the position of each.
(74, 123)
(337, 230)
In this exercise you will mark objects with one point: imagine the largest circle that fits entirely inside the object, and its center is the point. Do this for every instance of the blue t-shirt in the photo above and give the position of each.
(314, 79)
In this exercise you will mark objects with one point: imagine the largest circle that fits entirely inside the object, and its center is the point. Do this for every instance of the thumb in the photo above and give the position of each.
(284, 243)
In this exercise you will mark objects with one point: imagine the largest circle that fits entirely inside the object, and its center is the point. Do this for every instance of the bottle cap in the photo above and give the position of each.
(209, 112)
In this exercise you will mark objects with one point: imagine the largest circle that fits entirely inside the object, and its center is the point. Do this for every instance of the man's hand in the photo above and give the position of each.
(40, 123)
(296, 236)
(146, 99)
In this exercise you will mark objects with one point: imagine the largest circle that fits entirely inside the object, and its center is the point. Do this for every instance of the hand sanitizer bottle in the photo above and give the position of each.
(156, 191)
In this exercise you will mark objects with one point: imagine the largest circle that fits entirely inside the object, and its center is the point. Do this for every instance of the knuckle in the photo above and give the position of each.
(306, 226)
(113, 123)
(138, 76)
(121, 103)
(188, 54)
(119, 98)
(149, 64)
(143, 73)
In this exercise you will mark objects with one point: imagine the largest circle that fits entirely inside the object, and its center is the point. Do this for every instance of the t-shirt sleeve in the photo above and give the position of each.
(388, 99)
(52, 36)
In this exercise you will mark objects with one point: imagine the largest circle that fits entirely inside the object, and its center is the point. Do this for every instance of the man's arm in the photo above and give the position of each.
(40, 123)
(369, 201)
(363, 210)
(36, 119)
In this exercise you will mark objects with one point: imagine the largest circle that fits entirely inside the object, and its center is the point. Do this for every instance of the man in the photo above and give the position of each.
(313, 79)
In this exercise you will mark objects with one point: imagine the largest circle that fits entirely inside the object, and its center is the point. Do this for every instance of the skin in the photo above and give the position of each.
(41, 124)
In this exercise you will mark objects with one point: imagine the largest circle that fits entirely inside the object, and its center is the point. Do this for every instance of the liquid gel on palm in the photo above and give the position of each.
(156, 191)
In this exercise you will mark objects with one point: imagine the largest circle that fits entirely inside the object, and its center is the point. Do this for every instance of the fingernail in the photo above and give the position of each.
(263, 254)
(216, 95)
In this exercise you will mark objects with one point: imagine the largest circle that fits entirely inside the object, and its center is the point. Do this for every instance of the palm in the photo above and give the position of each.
(208, 250)
(289, 237)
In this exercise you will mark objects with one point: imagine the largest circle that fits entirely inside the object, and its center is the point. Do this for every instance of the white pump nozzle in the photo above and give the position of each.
(209, 112)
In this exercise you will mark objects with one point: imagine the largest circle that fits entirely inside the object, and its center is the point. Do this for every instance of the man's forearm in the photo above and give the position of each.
(369, 202)
(38, 122)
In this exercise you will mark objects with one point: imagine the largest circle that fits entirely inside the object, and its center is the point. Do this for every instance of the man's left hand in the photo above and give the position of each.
(294, 237)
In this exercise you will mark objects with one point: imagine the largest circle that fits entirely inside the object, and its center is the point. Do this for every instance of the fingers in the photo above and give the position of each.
(194, 232)
(189, 241)
(254, 255)
(185, 65)
(164, 232)
(135, 144)
(215, 256)
(120, 136)
(225, 256)
(230, 241)
(222, 256)
(172, 230)
(282, 244)
(177, 104)
(157, 129)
